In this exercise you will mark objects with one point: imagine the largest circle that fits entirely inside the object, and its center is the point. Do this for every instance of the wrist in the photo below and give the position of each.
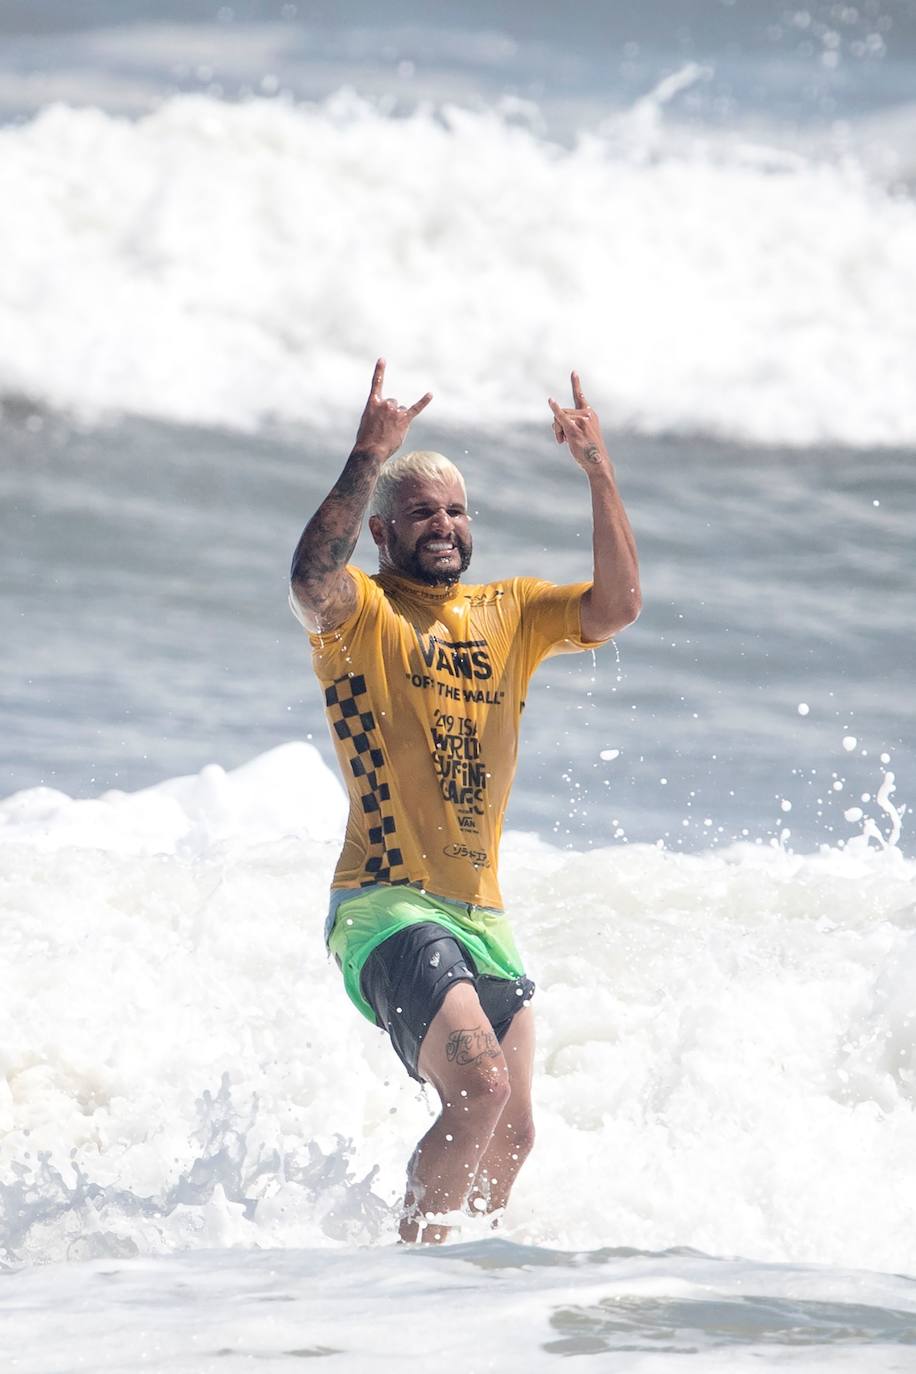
(370, 453)
(598, 468)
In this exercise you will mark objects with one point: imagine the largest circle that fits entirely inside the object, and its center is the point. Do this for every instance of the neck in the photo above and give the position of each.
(433, 591)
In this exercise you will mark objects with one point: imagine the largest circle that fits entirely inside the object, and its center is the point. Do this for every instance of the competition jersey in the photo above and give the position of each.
(424, 688)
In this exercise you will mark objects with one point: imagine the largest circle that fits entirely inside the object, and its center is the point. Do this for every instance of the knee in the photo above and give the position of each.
(482, 1096)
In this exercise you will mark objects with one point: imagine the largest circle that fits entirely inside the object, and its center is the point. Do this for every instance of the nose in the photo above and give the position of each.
(441, 521)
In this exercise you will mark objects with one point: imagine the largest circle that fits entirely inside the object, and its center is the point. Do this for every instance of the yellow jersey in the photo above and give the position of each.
(424, 688)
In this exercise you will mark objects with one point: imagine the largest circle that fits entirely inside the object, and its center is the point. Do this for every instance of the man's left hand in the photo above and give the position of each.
(580, 428)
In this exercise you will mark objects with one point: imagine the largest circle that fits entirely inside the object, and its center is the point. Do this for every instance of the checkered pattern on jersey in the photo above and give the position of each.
(350, 714)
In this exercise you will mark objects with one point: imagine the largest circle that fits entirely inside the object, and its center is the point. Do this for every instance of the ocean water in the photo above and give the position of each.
(202, 1145)
(214, 220)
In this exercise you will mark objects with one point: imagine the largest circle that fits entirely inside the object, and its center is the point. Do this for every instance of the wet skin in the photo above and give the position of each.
(427, 537)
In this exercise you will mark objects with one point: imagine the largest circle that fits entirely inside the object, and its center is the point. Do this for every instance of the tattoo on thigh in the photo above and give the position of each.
(470, 1046)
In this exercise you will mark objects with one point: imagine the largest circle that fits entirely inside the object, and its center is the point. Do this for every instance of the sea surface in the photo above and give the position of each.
(215, 219)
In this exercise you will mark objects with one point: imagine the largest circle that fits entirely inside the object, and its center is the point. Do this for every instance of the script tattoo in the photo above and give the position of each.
(470, 1046)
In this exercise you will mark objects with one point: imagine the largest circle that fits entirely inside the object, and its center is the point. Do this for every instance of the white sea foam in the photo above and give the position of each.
(225, 264)
(726, 1060)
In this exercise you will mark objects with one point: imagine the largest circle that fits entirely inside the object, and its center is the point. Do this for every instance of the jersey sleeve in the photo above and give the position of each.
(551, 618)
(365, 588)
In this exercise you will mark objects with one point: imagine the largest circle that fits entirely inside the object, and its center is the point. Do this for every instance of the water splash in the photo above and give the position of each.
(45, 1215)
(870, 828)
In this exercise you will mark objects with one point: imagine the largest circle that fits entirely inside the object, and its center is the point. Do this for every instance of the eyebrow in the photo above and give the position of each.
(427, 505)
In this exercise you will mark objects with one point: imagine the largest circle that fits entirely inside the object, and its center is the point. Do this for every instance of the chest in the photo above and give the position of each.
(457, 660)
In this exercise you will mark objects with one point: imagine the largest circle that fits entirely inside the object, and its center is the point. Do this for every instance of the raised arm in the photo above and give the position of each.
(320, 582)
(614, 599)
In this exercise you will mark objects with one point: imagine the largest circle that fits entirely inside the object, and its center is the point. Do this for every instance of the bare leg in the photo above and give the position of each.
(462, 1059)
(513, 1137)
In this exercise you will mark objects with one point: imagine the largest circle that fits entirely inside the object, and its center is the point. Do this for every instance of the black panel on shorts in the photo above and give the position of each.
(406, 977)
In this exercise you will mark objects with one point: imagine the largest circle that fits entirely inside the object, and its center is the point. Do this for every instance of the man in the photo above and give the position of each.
(424, 680)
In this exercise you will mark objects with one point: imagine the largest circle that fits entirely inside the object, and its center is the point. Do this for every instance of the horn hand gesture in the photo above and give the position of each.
(579, 427)
(384, 424)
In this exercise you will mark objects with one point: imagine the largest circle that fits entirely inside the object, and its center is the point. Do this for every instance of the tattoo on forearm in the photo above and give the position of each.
(330, 536)
(471, 1046)
(592, 453)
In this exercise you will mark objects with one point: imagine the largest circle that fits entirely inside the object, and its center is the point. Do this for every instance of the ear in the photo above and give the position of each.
(377, 530)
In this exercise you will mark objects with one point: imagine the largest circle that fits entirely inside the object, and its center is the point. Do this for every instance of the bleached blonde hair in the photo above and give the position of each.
(421, 463)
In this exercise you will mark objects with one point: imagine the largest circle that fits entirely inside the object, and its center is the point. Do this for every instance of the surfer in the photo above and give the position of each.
(424, 679)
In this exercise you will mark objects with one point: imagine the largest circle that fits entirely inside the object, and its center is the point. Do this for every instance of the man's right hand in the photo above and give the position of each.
(325, 594)
(384, 423)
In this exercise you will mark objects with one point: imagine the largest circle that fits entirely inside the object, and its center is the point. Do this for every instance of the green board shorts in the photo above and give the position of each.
(362, 918)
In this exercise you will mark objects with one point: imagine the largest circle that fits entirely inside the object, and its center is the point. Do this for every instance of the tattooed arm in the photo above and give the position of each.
(320, 582)
(614, 598)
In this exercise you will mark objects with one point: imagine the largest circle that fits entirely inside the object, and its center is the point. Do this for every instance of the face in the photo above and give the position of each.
(427, 537)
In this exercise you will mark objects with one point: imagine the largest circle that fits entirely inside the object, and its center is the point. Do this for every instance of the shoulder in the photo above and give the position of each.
(358, 595)
(526, 592)
(487, 593)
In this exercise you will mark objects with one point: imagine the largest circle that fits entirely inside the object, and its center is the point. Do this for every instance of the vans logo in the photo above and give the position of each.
(468, 658)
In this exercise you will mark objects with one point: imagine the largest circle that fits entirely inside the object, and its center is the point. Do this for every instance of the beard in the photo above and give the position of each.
(407, 561)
